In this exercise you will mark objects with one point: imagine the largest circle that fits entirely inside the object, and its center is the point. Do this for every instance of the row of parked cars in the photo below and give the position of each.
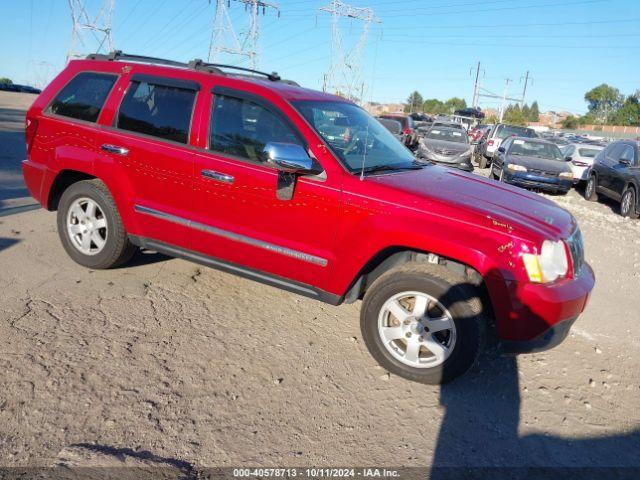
(519, 156)
(14, 87)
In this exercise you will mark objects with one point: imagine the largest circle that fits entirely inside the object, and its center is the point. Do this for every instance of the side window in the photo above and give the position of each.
(242, 128)
(158, 110)
(84, 96)
(627, 154)
(506, 145)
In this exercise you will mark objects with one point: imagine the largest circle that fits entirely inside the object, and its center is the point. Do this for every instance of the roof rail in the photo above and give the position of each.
(198, 64)
(118, 55)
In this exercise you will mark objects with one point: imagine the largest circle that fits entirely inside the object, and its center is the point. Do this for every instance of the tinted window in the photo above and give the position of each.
(447, 135)
(526, 148)
(627, 154)
(513, 131)
(84, 96)
(242, 128)
(157, 110)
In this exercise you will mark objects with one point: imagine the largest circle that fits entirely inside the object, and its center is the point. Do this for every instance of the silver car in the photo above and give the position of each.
(447, 146)
(581, 157)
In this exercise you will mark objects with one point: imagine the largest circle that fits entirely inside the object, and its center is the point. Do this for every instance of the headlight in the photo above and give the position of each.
(516, 168)
(566, 174)
(549, 265)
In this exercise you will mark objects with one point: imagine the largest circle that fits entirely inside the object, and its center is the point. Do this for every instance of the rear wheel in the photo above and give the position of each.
(483, 162)
(90, 226)
(590, 190)
(628, 203)
(423, 323)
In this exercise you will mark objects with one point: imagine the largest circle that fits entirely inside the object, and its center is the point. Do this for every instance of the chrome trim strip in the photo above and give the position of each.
(305, 257)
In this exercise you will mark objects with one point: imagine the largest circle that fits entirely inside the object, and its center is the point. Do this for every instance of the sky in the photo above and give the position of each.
(432, 46)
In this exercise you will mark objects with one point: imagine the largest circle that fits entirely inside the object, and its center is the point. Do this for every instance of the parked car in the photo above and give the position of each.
(395, 127)
(581, 157)
(532, 163)
(447, 146)
(616, 174)
(411, 136)
(446, 124)
(476, 133)
(488, 144)
(250, 174)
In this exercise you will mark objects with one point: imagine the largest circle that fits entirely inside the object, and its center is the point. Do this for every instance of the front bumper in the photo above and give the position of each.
(459, 163)
(536, 316)
(542, 182)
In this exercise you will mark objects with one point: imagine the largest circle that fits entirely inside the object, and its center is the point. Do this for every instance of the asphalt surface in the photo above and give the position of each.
(164, 363)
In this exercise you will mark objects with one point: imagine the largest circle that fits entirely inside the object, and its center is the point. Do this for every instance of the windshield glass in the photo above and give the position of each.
(354, 136)
(535, 149)
(447, 135)
(512, 131)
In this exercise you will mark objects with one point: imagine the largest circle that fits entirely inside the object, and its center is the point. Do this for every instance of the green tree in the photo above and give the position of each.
(433, 106)
(6, 80)
(534, 112)
(414, 102)
(570, 122)
(604, 101)
(629, 112)
(526, 111)
(513, 115)
(454, 104)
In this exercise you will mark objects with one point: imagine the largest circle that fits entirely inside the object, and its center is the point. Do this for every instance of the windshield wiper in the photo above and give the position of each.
(392, 168)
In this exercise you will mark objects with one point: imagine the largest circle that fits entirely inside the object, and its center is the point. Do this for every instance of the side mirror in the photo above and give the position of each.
(290, 160)
(624, 161)
(501, 149)
(568, 158)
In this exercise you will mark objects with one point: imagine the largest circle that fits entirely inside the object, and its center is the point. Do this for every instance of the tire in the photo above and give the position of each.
(628, 203)
(460, 306)
(108, 244)
(483, 162)
(590, 188)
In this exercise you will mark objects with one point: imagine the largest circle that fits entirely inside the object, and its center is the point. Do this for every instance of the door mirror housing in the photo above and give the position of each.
(568, 158)
(289, 158)
(624, 161)
(501, 149)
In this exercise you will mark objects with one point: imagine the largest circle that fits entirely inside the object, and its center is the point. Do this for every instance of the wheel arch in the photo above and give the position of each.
(63, 180)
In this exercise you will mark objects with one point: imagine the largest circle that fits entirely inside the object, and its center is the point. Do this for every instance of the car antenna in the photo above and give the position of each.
(364, 155)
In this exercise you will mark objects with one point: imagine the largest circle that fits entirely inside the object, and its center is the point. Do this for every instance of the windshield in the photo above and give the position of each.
(447, 135)
(588, 152)
(354, 136)
(511, 131)
(535, 149)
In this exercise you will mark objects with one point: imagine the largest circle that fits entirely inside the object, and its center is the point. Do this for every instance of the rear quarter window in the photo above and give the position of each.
(83, 97)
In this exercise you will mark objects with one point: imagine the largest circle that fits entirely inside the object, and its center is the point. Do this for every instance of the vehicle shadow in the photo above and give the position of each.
(145, 257)
(12, 152)
(7, 242)
(479, 437)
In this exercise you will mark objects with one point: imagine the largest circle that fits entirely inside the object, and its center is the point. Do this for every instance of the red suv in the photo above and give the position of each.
(304, 191)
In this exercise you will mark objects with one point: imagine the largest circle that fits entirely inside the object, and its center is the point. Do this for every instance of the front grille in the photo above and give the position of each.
(443, 151)
(576, 247)
(542, 172)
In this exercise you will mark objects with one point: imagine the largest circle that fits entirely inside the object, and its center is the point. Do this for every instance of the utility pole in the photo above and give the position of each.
(225, 41)
(345, 73)
(504, 97)
(476, 88)
(83, 24)
(524, 89)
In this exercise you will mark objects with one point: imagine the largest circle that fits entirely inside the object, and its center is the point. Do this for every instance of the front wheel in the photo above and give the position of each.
(423, 323)
(90, 226)
(628, 204)
(483, 162)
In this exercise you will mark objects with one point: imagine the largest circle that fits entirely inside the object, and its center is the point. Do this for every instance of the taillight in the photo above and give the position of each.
(490, 142)
(407, 131)
(31, 126)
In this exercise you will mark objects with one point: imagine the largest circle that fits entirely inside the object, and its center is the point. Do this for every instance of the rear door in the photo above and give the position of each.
(148, 145)
(606, 167)
(620, 170)
(238, 216)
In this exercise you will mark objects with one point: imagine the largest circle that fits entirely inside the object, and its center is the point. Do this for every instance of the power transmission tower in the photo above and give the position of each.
(345, 73)
(480, 91)
(225, 41)
(41, 72)
(99, 27)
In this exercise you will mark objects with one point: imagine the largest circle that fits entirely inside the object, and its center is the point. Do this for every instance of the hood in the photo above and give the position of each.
(504, 207)
(544, 164)
(444, 147)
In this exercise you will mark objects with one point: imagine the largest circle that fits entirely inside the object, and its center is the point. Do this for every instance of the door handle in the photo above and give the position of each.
(115, 149)
(217, 176)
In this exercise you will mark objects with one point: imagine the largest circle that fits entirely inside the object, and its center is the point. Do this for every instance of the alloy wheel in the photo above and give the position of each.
(87, 226)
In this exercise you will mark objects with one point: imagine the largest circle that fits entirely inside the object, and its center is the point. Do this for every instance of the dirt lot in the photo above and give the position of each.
(168, 363)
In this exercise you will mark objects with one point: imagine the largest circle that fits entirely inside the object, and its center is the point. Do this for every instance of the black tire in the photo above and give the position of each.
(460, 298)
(483, 162)
(117, 249)
(628, 203)
(590, 188)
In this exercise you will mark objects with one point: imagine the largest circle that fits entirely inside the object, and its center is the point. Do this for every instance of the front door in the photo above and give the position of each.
(238, 216)
(620, 170)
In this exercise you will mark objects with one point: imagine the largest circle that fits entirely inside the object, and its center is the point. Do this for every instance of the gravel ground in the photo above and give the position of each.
(171, 364)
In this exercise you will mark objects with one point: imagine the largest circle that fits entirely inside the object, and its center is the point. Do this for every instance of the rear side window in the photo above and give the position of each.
(84, 96)
(157, 110)
(242, 128)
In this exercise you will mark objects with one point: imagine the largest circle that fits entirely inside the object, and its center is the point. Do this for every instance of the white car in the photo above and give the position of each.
(581, 156)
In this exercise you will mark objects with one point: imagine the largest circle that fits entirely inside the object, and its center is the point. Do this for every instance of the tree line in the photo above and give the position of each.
(607, 106)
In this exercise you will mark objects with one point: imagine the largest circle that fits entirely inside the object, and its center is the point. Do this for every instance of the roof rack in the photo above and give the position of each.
(195, 64)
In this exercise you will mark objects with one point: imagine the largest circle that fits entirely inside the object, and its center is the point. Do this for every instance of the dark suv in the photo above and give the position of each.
(616, 174)
(305, 191)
